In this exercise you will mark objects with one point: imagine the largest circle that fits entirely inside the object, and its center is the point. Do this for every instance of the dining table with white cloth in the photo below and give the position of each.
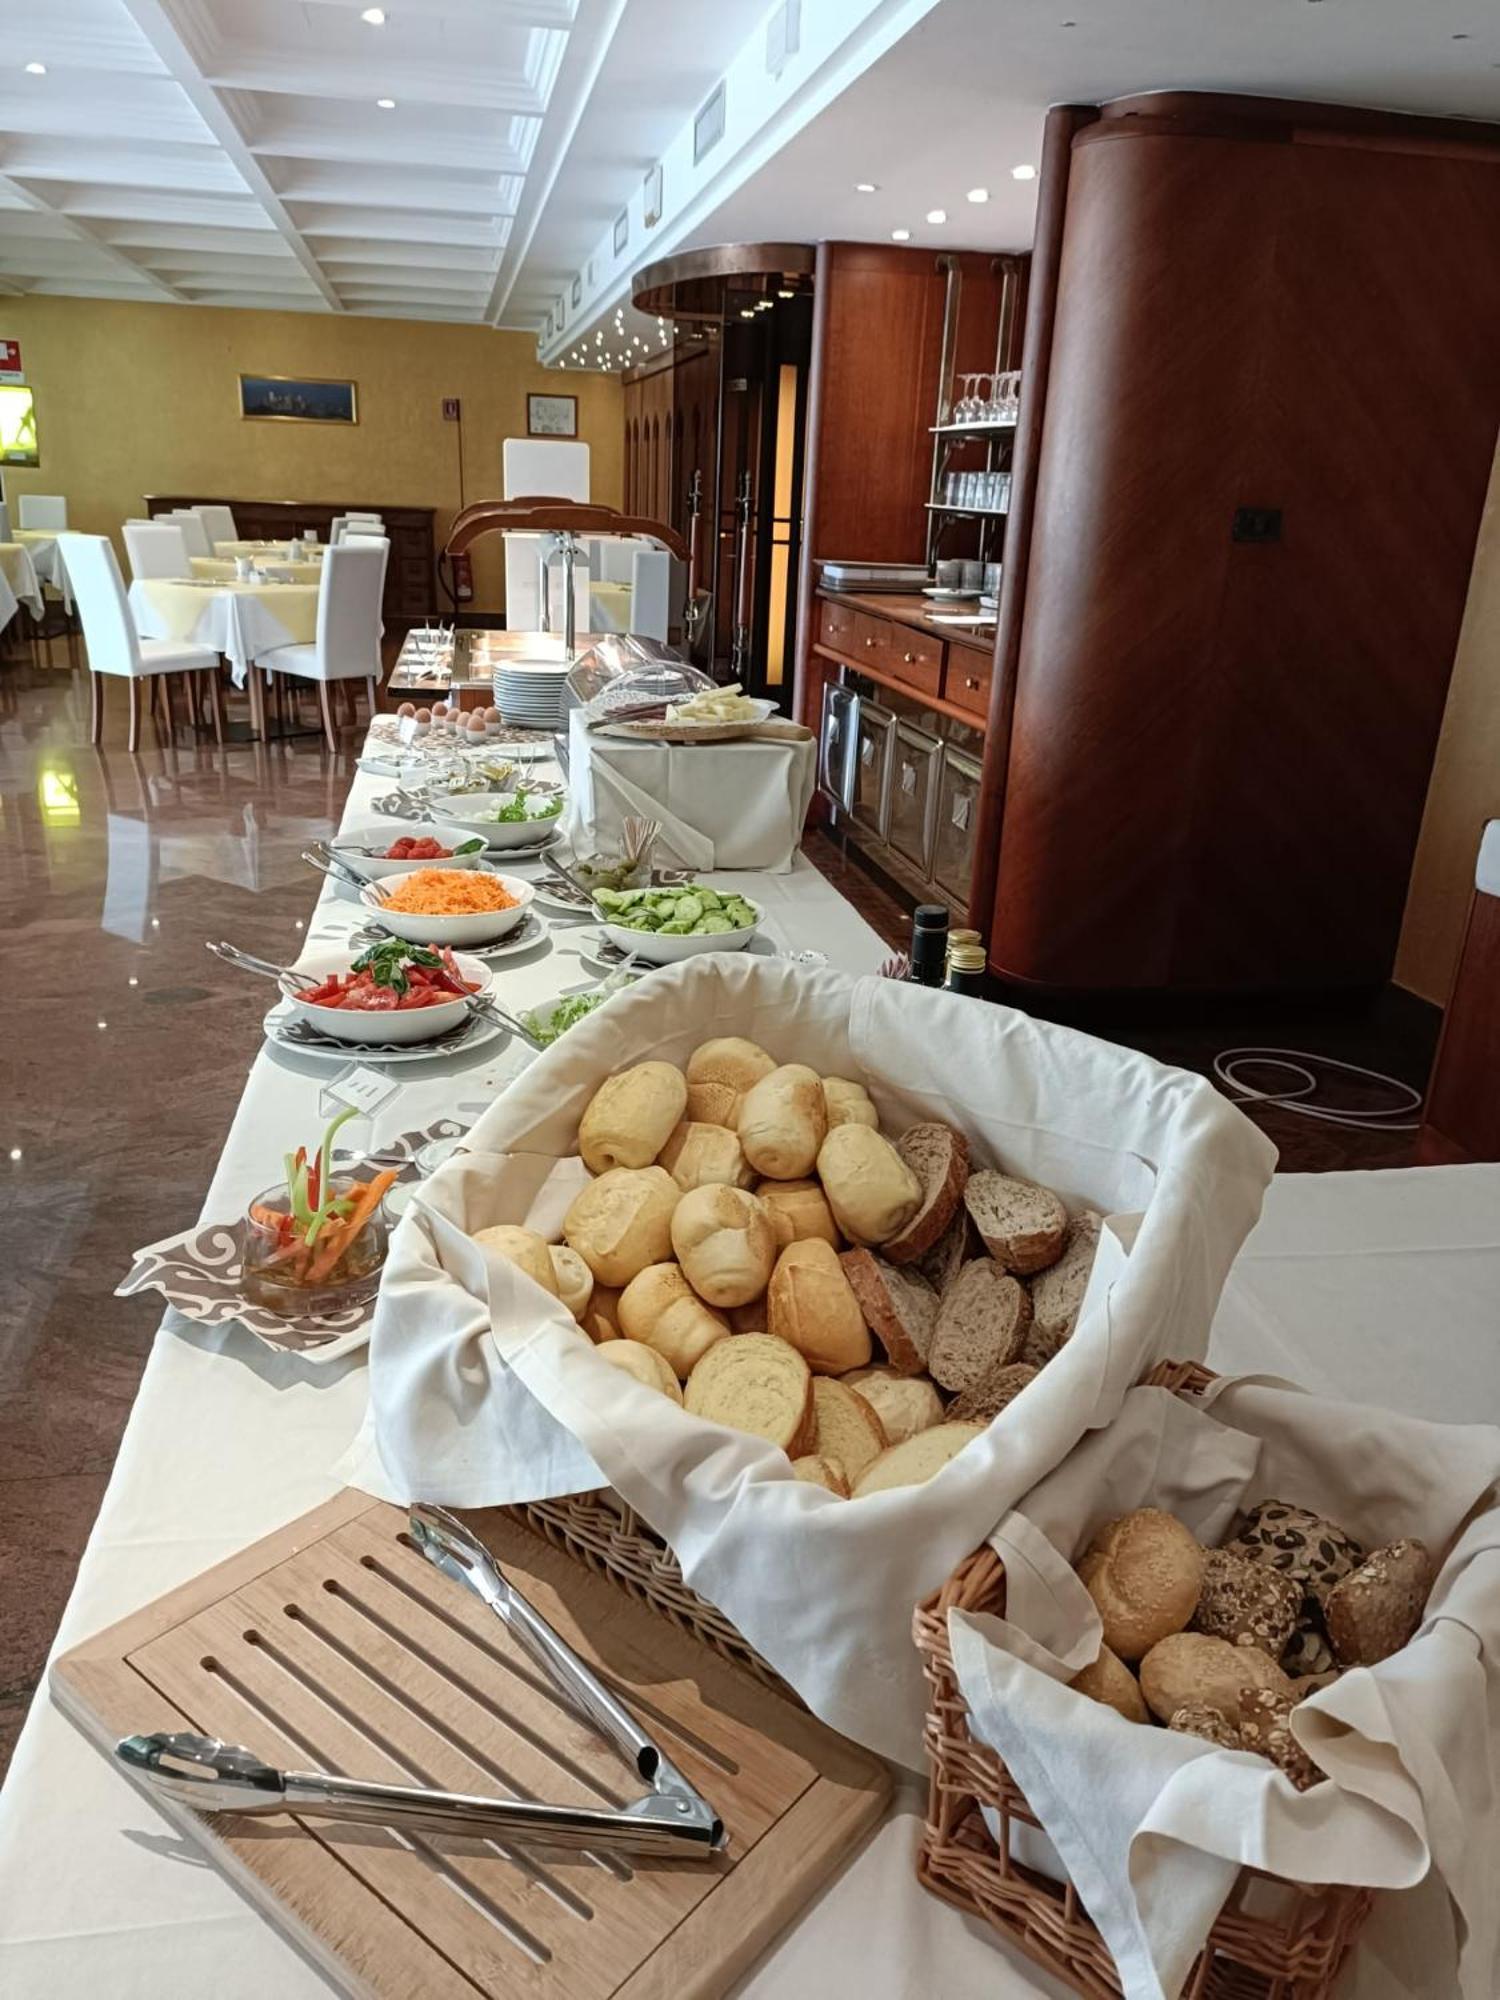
(1376, 1286)
(272, 550)
(41, 544)
(276, 568)
(19, 571)
(10, 604)
(239, 620)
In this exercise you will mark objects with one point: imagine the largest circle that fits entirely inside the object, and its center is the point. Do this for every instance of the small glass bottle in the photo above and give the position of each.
(966, 969)
(929, 944)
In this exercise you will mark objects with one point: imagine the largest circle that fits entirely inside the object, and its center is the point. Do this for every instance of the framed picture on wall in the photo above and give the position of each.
(297, 399)
(552, 416)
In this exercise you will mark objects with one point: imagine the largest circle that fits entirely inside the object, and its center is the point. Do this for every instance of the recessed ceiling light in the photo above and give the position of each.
(375, 16)
(1023, 173)
(785, 292)
(866, 187)
(36, 69)
(747, 312)
(937, 215)
(977, 194)
(901, 236)
(385, 103)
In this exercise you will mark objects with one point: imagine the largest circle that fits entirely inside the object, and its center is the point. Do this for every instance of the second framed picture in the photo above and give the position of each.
(552, 416)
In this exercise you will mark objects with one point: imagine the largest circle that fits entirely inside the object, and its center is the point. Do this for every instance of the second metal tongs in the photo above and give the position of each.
(671, 1819)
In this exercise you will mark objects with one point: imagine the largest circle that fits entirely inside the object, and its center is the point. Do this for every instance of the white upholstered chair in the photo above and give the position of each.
(156, 548)
(47, 512)
(354, 524)
(193, 531)
(6, 534)
(218, 524)
(347, 647)
(115, 647)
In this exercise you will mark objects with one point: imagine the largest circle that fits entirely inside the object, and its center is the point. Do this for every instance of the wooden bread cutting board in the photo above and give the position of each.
(334, 1646)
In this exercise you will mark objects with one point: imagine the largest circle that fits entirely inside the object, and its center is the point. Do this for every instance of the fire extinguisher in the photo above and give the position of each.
(463, 579)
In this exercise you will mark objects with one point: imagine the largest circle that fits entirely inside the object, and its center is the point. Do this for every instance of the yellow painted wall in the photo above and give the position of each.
(1465, 788)
(135, 399)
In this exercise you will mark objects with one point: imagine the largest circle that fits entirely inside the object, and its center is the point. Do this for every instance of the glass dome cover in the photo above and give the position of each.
(623, 677)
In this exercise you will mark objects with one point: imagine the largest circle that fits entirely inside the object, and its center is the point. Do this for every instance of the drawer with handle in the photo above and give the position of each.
(915, 659)
(968, 683)
(836, 626)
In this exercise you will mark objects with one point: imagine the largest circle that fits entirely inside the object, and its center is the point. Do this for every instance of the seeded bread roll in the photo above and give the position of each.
(1307, 1652)
(1247, 1603)
(622, 1222)
(1315, 1553)
(783, 1122)
(1057, 1293)
(704, 1156)
(939, 1157)
(992, 1394)
(1374, 1610)
(1265, 1727)
(804, 1208)
(897, 1305)
(724, 1243)
(1188, 1667)
(981, 1325)
(809, 1303)
(848, 1103)
(815, 1471)
(872, 1191)
(845, 1428)
(630, 1117)
(523, 1248)
(916, 1461)
(1024, 1226)
(575, 1281)
(758, 1384)
(661, 1308)
(1109, 1680)
(633, 1357)
(718, 1075)
(1144, 1572)
(1196, 1718)
(905, 1404)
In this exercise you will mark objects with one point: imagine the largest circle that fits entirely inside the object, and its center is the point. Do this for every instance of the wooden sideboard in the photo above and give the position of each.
(410, 585)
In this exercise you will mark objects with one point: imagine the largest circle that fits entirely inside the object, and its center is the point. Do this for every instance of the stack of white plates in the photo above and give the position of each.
(530, 692)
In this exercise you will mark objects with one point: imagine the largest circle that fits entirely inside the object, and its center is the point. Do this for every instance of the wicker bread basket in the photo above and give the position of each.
(1294, 1956)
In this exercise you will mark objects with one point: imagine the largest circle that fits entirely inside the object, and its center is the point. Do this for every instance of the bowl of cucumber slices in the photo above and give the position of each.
(664, 925)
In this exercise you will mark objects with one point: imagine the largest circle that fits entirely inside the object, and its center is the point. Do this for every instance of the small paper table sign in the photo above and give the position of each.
(358, 1088)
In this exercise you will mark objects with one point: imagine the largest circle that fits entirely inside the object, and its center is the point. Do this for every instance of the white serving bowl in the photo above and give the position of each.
(418, 1024)
(477, 928)
(458, 809)
(374, 870)
(658, 950)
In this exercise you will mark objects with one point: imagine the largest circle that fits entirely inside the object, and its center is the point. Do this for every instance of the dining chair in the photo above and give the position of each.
(5, 529)
(115, 647)
(156, 548)
(347, 647)
(45, 511)
(193, 531)
(218, 524)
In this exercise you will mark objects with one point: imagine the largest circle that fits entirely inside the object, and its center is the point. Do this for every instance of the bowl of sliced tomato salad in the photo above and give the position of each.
(393, 992)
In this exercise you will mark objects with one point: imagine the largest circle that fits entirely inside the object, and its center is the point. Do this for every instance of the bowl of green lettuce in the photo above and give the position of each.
(664, 925)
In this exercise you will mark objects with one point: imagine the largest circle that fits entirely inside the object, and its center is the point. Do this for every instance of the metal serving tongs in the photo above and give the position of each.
(671, 1819)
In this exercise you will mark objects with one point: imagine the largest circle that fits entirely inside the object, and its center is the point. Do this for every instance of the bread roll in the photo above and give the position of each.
(757, 1384)
(1109, 1680)
(939, 1157)
(783, 1122)
(630, 1117)
(897, 1305)
(872, 1191)
(1025, 1227)
(915, 1462)
(702, 1155)
(1189, 1667)
(1057, 1293)
(724, 1243)
(719, 1073)
(575, 1281)
(661, 1308)
(622, 1222)
(992, 1393)
(601, 1320)
(1247, 1603)
(845, 1428)
(1144, 1572)
(848, 1103)
(905, 1404)
(981, 1325)
(523, 1248)
(815, 1471)
(804, 1208)
(1377, 1607)
(644, 1363)
(1266, 1728)
(809, 1302)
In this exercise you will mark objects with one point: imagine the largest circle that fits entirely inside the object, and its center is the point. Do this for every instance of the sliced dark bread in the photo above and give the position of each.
(1024, 1226)
(939, 1157)
(900, 1308)
(953, 1249)
(981, 1325)
(1057, 1293)
(988, 1397)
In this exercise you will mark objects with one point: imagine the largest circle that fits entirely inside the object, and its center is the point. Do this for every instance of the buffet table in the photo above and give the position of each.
(1377, 1285)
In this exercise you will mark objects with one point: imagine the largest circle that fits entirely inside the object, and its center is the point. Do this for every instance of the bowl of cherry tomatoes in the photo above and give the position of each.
(377, 851)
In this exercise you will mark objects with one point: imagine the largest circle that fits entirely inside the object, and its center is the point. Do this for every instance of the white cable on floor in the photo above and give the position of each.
(1396, 1119)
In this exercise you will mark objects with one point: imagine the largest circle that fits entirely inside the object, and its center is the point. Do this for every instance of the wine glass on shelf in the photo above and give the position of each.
(968, 406)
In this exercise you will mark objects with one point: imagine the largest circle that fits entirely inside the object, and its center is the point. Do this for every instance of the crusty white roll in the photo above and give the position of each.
(575, 1281)
(724, 1243)
(1144, 1572)
(872, 1191)
(848, 1103)
(783, 1121)
(804, 1208)
(718, 1075)
(523, 1248)
(905, 1404)
(622, 1222)
(661, 1308)
(810, 1303)
(630, 1117)
(705, 1156)
(633, 1357)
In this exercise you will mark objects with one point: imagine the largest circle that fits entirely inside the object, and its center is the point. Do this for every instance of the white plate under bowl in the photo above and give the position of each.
(472, 928)
(350, 1025)
(594, 946)
(375, 868)
(658, 950)
(457, 808)
(281, 1029)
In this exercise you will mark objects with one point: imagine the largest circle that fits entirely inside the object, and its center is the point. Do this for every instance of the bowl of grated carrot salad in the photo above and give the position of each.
(454, 906)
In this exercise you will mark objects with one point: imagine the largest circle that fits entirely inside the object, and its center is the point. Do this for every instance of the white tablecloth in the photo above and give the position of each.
(47, 560)
(9, 603)
(100, 1900)
(241, 621)
(19, 571)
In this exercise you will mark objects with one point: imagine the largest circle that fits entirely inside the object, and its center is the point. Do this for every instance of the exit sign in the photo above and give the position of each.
(10, 361)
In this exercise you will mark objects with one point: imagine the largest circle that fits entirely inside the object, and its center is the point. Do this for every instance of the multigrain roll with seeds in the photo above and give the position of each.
(1265, 1727)
(1315, 1553)
(1374, 1610)
(1247, 1603)
(1188, 1667)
